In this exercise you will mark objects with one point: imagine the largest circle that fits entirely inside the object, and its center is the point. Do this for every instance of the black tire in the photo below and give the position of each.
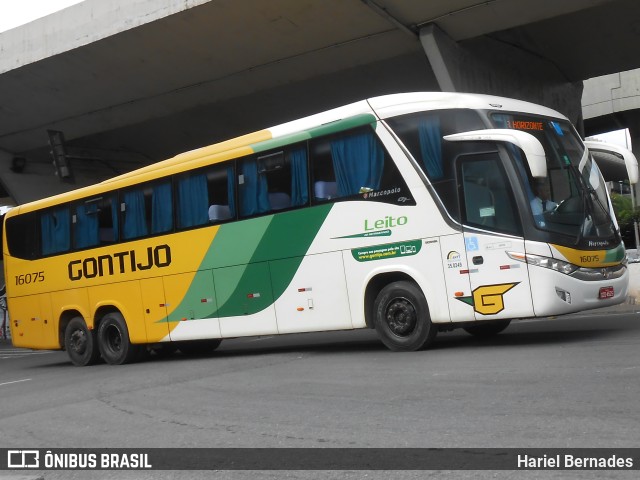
(80, 343)
(113, 340)
(198, 347)
(488, 329)
(402, 317)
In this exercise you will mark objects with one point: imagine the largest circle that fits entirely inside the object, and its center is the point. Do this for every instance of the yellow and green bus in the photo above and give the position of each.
(407, 213)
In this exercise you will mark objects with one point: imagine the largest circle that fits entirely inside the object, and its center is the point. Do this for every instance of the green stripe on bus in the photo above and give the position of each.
(288, 235)
(615, 254)
(327, 129)
(241, 255)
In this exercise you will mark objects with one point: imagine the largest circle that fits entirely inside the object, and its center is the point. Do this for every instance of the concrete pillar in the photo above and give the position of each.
(491, 67)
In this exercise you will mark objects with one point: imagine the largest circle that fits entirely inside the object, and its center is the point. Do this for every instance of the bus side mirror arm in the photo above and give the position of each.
(530, 145)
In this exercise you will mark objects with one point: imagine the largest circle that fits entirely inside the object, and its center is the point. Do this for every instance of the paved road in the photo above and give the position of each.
(567, 382)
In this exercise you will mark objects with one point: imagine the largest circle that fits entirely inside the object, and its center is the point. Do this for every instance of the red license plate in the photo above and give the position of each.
(605, 292)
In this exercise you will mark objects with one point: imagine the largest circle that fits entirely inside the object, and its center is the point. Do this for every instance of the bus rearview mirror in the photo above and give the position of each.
(610, 154)
(530, 145)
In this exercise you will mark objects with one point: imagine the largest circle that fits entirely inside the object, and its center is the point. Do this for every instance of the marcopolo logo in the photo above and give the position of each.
(120, 262)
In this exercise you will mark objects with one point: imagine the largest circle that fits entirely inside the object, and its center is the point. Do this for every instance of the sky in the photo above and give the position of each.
(14, 13)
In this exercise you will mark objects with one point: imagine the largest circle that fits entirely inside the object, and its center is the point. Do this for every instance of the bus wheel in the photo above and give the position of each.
(198, 347)
(80, 343)
(487, 329)
(402, 317)
(113, 340)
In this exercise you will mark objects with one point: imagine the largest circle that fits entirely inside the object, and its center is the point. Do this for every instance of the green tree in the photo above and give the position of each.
(626, 215)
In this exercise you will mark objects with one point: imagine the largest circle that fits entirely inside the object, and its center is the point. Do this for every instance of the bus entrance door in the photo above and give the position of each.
(499, 285)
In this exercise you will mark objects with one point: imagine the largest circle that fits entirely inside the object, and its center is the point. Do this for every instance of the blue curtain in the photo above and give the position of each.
(358, 161)
(161, 208)
(55, 231)
(254, 194)
(86, 233)
(135, 221)
(231, 191)
(193, 201)
(299, 184)
(430, 136)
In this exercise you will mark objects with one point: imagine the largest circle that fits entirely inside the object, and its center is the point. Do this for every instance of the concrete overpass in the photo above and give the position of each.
(612, 102)
(148, 79)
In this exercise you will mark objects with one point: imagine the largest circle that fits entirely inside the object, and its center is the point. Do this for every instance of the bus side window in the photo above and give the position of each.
(54, 229)
(353, 163)
(161, 207)
(487, 196)
(325, 186)
(220, 184)
(147, 209)
(95, 222)
(134, 214)
(22, 235)
(273, 181)
(192, 198)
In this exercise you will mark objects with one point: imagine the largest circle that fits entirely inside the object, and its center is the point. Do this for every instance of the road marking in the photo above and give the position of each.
(20, 352)
(15, 381)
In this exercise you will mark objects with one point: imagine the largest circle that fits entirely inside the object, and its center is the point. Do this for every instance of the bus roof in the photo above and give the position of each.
(337, 119)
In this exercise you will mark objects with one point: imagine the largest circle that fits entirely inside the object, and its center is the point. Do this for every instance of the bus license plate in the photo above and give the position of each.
(605, 292)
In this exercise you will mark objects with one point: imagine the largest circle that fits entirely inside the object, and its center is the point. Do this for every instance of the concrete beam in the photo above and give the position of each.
(92, 20)
(496, 68)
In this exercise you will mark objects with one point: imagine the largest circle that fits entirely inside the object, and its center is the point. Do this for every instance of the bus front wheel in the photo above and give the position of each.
(113, 340)
(80, 343)
(402, 317)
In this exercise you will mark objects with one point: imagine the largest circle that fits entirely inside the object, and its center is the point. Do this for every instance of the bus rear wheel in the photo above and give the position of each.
(488, 329)
(80, 343)
(402, 317)
(113, 340)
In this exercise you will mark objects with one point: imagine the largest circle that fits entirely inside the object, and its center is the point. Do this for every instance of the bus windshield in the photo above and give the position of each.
(572, 200)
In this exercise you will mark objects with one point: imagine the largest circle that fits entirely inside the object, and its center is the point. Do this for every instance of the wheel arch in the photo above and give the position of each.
(103, 310)
(137, 333)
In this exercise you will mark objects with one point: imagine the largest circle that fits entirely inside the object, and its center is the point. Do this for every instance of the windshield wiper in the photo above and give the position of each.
(587, 208)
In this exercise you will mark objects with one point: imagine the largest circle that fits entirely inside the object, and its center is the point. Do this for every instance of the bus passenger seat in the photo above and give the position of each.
(219, 212)
(325, 190)
(279, 200)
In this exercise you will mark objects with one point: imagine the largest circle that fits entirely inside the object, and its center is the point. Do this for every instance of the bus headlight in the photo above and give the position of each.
(545, 262)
